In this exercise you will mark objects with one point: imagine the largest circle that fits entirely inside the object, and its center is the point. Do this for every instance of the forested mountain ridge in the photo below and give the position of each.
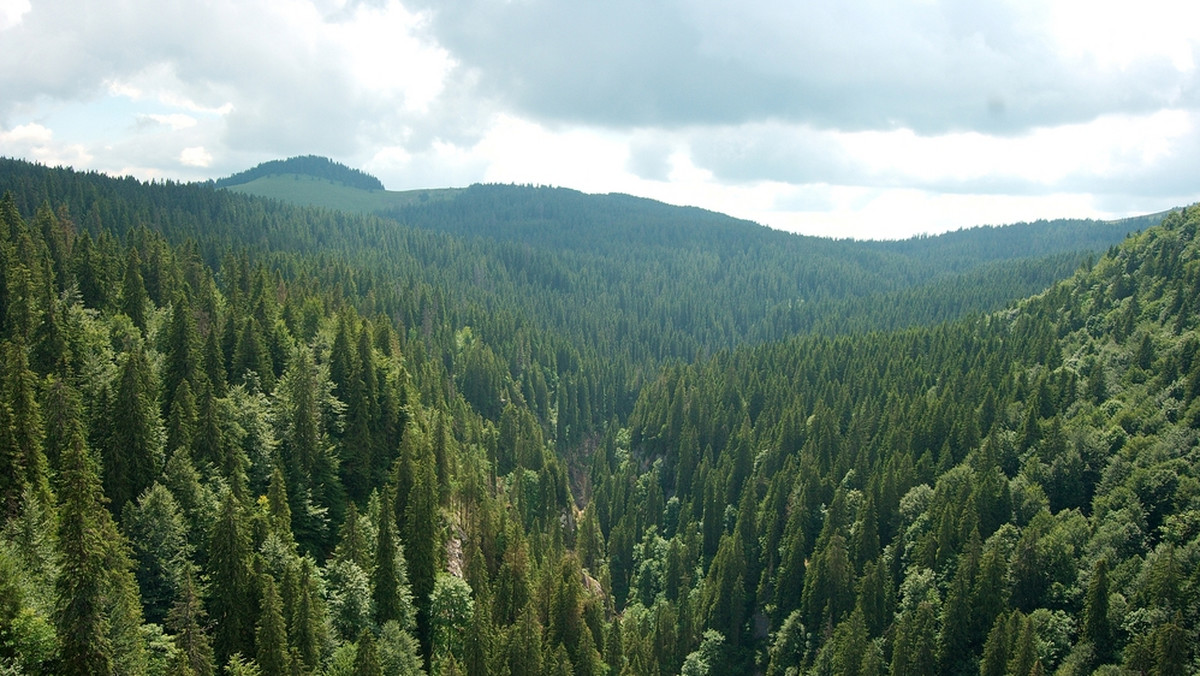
(240, 436)
(1015, 494)
(602, 318)
(761, 284)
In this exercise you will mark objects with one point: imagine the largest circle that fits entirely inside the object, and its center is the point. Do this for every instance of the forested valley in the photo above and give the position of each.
(520, 431)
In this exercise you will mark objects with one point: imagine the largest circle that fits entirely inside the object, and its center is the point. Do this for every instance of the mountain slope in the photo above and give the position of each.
(635, 279)
(239, 435)
(313, 191)
(760, 284)
(942, 498)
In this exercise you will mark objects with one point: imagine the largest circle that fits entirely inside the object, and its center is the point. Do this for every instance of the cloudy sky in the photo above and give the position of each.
(848, 118)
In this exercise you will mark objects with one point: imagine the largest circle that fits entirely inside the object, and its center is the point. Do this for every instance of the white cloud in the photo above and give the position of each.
(12, 11)
(175, 121)
(866, 64)
(826, 115)
(195, 156)
(1041, 159)
(37, 142)
(385, 53)
(285, 77)
(1115, 34)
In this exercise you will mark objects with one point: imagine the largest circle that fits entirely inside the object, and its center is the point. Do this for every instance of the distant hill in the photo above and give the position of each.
(564, 219)
(559, 218)
(312, 191)
(760, 284)
(306, 165)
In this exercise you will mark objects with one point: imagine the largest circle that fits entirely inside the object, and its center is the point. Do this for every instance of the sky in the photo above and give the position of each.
(840, 118)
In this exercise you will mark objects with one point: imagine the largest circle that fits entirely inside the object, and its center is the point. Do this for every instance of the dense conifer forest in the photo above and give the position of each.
(242, 437)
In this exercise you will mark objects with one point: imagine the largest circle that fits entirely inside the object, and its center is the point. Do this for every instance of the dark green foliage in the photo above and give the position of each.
(451, 613)
(1096, 628)
(187, 621)
(133, 290)
(271, 636)
(130, 434)
(393, 600)
(158, 533)
(709, 465)
(420, 539)
(366, 659)
(233, 598)
(85, 534)
(23, 463)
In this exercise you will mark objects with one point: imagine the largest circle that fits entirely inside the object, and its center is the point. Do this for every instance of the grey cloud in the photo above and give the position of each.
(803, 156)
(877, 64)
(751, 153)
(650, 159)
(288, 95)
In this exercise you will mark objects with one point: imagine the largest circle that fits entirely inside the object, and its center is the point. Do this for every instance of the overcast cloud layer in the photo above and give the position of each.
(846, 118)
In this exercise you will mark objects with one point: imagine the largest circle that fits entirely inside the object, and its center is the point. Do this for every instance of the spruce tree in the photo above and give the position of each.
(181, 354)
(1096, 628)
(915, 651)
(213, 362)
(421, 542)
(158, 533)
(308, 620)
(366, 660)
(393, 600)
(133, 290)
(187, 621)
(997, 648)
(81, 618)
(132, 453)
(233, 593)
(352, 540)
(1024, 650)
(22, 451)
(182, 420)
(271, 639)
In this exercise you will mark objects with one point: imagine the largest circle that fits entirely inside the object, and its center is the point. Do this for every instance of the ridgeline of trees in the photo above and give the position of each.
(306, 165)
(238, 437)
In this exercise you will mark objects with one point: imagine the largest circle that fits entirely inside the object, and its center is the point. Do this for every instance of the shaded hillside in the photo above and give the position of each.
(613, 224)
(575, 330)
(310, 191)
(980, 497)
(634, 278)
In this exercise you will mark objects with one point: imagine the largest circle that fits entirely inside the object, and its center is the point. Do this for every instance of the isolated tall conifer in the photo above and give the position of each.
(133, 455)
(420, 543)
(133, 290)
(22, 451)
(271, 636)
(233, 595)
(188, 621)
(84, 531)
(389, 578)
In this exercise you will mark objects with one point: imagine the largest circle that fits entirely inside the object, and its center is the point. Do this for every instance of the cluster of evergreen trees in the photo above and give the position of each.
(198, 479)
(237, 438)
